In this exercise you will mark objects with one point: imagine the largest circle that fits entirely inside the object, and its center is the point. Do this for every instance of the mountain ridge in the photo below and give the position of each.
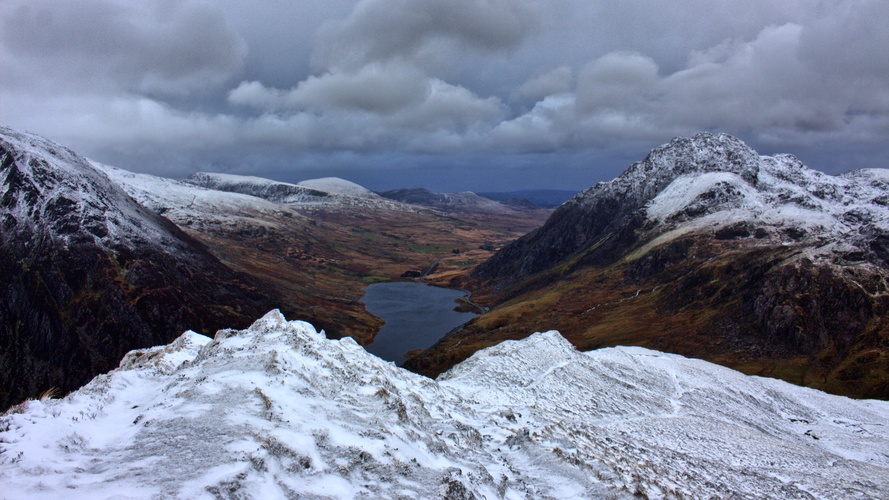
(278, 192)
(279, 410)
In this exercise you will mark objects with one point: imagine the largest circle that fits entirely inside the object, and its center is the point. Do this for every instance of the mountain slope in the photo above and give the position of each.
(706, 249)
(326, 194)
(335, 185)
(87, 274)
(277, 410)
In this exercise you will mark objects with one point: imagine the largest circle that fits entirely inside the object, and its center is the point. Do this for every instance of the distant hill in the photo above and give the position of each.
(448, 202)
(548, 198)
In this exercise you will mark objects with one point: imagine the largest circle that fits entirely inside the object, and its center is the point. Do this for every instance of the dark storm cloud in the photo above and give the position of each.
(278, 87)
(162, 47)
(420, 30)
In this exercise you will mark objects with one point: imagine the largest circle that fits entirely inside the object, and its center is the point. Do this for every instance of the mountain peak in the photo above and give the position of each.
(689, 181)
(335, 185)
(703, 153)
(88, 273)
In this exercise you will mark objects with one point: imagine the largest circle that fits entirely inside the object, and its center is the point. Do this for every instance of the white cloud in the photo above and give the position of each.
(450, 107)
(375, 88)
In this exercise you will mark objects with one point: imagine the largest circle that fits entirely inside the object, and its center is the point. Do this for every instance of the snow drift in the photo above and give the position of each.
(277, 410)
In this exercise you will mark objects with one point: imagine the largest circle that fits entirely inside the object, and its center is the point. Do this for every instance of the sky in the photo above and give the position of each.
(451, 95)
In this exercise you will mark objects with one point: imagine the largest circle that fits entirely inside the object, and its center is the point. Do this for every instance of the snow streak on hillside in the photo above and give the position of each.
(278, 410)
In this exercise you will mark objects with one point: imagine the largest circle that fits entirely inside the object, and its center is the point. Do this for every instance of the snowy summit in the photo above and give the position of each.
(277, 410)
(335, 185)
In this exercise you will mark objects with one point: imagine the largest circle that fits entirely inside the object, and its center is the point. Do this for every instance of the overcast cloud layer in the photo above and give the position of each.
(450, 95)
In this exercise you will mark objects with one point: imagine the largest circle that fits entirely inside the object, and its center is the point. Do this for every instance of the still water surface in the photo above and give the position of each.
(416, 316)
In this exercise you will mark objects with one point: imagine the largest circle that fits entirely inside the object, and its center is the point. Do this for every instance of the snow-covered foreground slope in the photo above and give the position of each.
(277, 410)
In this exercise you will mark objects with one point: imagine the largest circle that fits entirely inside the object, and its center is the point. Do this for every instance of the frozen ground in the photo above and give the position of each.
(278, 410)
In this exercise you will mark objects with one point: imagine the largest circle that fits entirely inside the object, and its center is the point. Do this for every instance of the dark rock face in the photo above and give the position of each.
(810, 308)
(87, 274)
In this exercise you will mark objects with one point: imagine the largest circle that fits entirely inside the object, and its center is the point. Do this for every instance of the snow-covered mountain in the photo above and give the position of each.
(87, 273)
(279, 411)
(756, 262)
(706, 183)
(55, 195)
(329, 193)
(189, 204)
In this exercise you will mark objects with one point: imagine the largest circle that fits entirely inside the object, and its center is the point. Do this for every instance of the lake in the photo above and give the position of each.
(416, 316)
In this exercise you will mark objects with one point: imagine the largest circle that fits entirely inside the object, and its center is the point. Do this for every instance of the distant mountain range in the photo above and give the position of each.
(449, 202)
(469, 202)
(707, 249)
(547, 198)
